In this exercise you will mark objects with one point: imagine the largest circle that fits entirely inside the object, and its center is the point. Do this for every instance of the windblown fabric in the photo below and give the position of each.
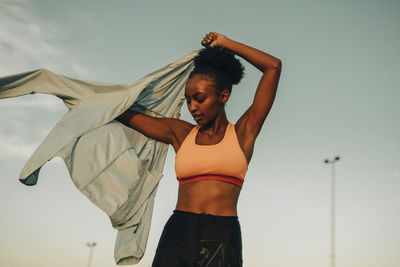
(114, 166)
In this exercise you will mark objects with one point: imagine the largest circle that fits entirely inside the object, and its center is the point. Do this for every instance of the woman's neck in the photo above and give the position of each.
(215, 126)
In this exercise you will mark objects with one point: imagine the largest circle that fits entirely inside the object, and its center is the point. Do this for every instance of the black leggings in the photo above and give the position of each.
(200, 240)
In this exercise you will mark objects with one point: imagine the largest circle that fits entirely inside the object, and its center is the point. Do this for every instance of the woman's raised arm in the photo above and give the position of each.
(249, 124)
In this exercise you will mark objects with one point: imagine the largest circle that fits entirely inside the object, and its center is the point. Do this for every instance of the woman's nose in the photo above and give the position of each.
(192, 107)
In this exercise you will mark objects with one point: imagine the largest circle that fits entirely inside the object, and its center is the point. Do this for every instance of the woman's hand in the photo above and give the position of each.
(214, 39)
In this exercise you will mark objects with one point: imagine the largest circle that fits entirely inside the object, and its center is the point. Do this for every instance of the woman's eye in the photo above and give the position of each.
(200, 100)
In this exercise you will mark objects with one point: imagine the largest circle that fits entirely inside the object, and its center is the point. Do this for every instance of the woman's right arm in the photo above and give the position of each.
(167, 130)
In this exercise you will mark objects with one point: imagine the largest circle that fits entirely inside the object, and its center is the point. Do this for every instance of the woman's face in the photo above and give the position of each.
(202, 99)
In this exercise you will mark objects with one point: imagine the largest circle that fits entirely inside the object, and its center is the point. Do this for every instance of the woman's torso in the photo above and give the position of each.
(210, 196)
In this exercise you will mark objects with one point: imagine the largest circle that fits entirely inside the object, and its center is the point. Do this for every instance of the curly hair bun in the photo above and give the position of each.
(221, 60)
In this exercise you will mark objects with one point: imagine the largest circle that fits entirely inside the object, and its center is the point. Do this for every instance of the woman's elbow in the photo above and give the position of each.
(275, 66)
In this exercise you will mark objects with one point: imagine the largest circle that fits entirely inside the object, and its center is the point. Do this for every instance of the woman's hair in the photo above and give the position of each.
(219, 64)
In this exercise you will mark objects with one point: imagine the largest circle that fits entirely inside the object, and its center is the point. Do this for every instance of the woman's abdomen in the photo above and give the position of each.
(209, 196)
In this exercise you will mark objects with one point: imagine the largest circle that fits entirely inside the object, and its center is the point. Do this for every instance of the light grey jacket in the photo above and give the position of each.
(114, 166)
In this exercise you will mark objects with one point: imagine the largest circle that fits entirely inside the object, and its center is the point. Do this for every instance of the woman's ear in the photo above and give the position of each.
(224, 96)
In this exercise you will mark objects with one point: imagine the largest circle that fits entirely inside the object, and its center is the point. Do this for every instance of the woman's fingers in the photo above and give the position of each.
(206, 41)
(210, 39)
(211, 36)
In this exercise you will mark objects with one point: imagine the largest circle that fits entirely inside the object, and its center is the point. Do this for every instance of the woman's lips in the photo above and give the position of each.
(196, 117)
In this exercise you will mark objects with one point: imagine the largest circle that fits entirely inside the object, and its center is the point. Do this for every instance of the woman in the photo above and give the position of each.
(212, 156)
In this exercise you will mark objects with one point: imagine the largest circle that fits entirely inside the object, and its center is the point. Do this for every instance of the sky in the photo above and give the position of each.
(338, 95)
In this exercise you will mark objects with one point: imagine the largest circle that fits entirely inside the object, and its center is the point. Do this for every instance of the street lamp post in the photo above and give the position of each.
(91, 247)
(332, 254)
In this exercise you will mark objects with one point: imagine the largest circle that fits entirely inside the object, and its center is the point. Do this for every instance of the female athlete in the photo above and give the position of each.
(211, 157)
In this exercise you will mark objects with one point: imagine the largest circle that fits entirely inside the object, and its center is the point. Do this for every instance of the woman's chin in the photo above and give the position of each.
(199, 120)
(203, 123)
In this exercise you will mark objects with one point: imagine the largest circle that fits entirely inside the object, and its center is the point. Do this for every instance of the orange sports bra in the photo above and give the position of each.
(224, 161)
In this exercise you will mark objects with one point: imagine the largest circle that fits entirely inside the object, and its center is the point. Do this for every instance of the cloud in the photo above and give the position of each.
(15, 146)
(26, 41)
(25, 121)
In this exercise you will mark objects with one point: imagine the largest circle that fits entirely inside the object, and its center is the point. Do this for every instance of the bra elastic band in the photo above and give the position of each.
(229, 179)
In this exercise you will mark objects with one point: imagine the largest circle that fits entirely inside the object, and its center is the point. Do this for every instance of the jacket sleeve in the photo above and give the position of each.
(46, 82)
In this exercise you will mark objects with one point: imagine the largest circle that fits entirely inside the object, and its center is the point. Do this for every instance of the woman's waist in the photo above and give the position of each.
(209, 196)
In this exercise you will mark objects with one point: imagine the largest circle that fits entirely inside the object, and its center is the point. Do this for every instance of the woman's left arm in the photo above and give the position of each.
(249, 124)
(251, 121)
